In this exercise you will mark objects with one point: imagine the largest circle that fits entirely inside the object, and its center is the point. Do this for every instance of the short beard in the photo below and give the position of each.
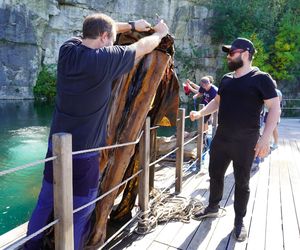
(236, 64)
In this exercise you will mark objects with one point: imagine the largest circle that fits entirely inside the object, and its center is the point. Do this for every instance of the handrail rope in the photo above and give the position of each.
(292, 108)
(195, 161)
(295, 99)
(163, 157)
(102, 196)
(12, 170)
(174, 150)
(107, 193)
(173, 181)
(155, 127)
(187, 142)
(139, 212)
(110, 147)
(24, 240)
(120, 230)
(189, 116)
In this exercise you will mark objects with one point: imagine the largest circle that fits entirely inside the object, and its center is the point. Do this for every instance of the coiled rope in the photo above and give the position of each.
(166, 207)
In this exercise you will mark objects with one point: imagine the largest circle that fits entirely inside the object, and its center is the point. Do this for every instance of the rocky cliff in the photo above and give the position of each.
(31, 32)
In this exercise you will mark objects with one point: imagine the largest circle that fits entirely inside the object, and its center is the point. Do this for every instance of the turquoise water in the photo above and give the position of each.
(24, 129)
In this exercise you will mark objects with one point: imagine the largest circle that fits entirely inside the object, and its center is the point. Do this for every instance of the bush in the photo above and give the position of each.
(45, 88)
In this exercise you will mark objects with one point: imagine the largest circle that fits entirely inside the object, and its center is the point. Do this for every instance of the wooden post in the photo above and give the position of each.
(153, 135)
(200, 138)
(63, 191)
(180, 152)
(215, 123)
(144, 151)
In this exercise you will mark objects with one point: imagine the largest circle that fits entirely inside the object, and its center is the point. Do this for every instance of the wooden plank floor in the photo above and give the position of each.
(273, 216)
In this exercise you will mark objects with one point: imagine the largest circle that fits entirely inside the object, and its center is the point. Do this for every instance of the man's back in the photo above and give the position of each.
(84, 80)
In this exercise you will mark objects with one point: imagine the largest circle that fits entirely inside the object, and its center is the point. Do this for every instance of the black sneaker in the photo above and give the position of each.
(207, 212)
(240, 232)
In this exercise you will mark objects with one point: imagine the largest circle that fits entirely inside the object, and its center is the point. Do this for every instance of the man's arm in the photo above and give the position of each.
(263, 145)
(211, 107)
(139, 25)
(196, 96)
(149, 43)
(192, 86)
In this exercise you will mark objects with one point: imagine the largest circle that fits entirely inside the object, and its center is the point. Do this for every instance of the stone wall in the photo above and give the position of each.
(31, 32)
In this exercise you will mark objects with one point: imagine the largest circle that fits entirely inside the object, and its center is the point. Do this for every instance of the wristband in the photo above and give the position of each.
(132, 24)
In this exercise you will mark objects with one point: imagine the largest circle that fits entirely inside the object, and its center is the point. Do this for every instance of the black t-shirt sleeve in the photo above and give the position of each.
(266, 87)
(221, 85)
(119, 60)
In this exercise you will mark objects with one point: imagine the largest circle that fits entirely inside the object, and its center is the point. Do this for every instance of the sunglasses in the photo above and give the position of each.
(231, 53)
(204, 82)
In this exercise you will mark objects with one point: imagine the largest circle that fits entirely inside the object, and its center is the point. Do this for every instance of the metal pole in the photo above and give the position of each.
(63, 191)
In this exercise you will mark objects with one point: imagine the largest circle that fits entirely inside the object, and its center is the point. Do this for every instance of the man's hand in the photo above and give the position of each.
(161, 28)
(194, 115)
(262, 148)
(142, 25)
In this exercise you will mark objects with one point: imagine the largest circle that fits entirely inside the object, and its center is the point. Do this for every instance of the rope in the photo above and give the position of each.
(107, 193)
(119, 231)
(155, 127)
(187, 142)
(167, 207)
(163, 157)
(110, 147)
(12, 170)
(24, 240)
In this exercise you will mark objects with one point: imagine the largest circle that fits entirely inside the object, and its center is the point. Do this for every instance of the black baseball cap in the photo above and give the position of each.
(240, 43)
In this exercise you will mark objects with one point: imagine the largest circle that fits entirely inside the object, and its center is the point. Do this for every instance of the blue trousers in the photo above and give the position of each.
(44, 208)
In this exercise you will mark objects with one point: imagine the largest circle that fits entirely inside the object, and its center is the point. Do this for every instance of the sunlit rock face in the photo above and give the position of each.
(31, 32)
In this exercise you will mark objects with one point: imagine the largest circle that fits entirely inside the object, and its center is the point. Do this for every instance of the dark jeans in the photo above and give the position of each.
(238, 147)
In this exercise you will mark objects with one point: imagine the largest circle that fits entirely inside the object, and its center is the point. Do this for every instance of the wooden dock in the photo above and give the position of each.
(273, 216)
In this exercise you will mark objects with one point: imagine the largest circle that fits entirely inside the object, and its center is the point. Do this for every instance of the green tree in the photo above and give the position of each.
(286, 50)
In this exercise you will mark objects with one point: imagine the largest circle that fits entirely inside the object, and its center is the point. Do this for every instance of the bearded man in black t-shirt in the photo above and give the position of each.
(241, 96)
(86, 69)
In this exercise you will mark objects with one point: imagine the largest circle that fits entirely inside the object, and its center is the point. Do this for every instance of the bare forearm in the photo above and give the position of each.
(272, 119)
(122, 27)
(210, 108)
(195, 86)
(147, 44)
(195, 91)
